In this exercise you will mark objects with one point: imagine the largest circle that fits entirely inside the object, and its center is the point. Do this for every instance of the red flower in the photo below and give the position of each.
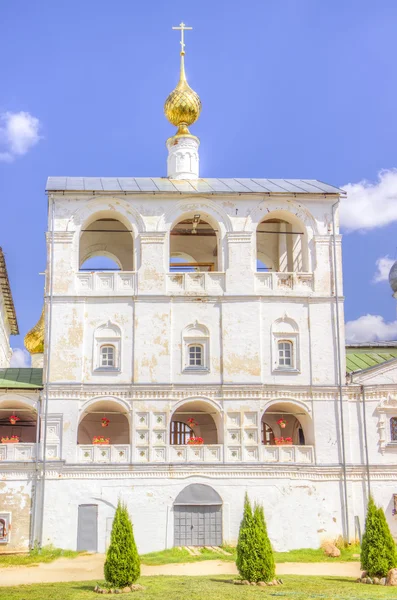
(13, 419)
(105, 422)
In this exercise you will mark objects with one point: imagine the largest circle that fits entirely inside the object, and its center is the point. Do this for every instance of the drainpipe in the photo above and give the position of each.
(36, 474)
(366, 440)
(47, 373)
(342, 424)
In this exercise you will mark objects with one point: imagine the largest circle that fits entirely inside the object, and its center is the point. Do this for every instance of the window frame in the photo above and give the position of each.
(6, 517)
(391, 420)
(108, 334)
(294, 339)
(202, 356)
(195, 335)
(285, 367)
(101, 357)
(187, 431)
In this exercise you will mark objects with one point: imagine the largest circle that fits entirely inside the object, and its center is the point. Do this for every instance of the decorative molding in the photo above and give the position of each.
(60, 237)
(239, 237)
(152, 237)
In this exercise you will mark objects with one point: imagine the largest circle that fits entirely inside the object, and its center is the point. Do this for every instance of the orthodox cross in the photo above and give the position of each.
(182, 28)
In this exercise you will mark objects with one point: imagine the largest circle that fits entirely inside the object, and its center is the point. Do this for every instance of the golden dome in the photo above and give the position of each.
(183, 105)
(34, 339)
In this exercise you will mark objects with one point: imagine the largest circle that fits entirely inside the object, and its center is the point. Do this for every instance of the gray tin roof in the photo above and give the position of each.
(200, 186)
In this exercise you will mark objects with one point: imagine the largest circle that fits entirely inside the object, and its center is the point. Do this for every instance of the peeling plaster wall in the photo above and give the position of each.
(300, 514)
(15, 498)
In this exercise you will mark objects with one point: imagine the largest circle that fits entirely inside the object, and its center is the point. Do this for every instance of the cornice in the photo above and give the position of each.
(62, 470)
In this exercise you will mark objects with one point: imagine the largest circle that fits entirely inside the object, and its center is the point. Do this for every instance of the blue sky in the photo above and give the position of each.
(290, 88)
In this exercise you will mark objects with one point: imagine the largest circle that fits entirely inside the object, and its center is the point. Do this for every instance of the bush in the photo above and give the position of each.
(122, 566)
(255, 560)
(378, 550)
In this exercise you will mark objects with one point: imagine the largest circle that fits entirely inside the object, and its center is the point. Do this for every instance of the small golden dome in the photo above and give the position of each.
(34, 339)
(183, 106)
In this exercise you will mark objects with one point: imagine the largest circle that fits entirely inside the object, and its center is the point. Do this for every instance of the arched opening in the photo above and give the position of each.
(106, 244)
(104, 419)
(18, 422)
(281, 245)
(194, 245)
(198, 516)
(202, 420)
(285, 423)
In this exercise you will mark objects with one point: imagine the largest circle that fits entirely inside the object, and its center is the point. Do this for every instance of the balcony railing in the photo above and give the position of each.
(197, 283)
(20, 452)
(284, 283)
(106, 283)
(207, 453)
(98, 453)
(287, 454)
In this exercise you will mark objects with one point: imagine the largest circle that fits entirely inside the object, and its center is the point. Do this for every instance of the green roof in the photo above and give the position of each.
(359, 360)
(21, 378)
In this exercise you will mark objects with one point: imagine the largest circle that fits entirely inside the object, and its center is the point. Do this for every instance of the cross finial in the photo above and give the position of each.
(182, 28)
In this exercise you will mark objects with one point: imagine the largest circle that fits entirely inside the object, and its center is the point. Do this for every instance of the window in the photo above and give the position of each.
(195, 356)
(5, 519)
(108, 358)
(285, 346)
(180, 433)
(107, 349)
(285, 355)
(195, 348)
(267, 435)
(393, 429)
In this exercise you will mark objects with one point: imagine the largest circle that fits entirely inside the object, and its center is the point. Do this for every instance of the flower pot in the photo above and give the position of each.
(13, 421)
(283, 425)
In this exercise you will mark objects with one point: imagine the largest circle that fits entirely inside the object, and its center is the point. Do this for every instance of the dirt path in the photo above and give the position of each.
(87, 567)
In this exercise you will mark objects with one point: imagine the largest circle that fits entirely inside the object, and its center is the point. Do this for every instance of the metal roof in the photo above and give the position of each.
(21, 378)
(190, 186)
(7, 295)
(358, 361)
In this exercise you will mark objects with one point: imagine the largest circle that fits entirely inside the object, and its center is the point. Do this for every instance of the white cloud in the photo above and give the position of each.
(19, 132)
(370, 205)
(383, 266)
(370, 328)
(20, 358)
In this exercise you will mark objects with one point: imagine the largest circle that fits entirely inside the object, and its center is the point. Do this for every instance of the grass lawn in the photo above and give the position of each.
(174, 555)
(47, 554)
(211, 588)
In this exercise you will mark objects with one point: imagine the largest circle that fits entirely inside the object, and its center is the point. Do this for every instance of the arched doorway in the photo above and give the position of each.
(198, 516)
(194, 244)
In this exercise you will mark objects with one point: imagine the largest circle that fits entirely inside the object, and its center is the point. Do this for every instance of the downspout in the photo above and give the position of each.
(36, 473)
(47, 373)
(366, 440)
(342, 424)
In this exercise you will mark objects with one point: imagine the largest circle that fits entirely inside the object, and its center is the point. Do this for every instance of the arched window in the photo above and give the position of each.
(180, 433)
(267, 435)
(106, 244)
(196, 355)
(107, 347)
(285, 355)
(285, 345)
(196, 347)
(393, 429)
(194, 244)
(108, 356)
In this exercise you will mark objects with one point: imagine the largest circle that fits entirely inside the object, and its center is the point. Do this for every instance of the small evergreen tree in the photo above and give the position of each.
(122, 566)
(255, 560)
(378, 549)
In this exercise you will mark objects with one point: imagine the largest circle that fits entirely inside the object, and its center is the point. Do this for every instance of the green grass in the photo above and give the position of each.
(45, 555)
(174, 555)
(210, 588)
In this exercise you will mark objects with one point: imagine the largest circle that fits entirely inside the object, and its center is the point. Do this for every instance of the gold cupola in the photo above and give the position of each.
(182, 108)
(34, 339)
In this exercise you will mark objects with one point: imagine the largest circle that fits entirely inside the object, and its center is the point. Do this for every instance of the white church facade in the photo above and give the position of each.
(207, 363)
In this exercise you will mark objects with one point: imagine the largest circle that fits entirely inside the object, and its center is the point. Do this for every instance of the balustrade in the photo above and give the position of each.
(18, 451)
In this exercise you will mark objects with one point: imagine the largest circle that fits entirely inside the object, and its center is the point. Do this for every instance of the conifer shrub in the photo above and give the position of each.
(122, 566)
(255, 559)
(378, 549)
